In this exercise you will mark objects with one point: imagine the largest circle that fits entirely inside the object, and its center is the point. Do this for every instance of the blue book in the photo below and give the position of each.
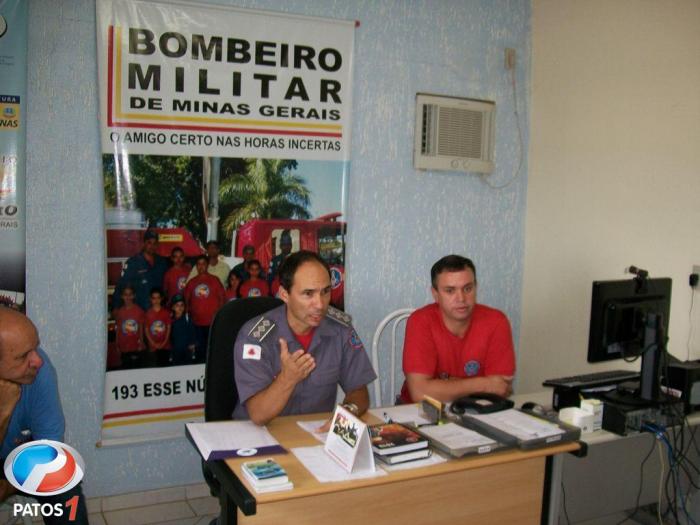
(265, 473)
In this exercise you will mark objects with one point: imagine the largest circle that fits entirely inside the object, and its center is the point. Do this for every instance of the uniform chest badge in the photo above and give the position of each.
(252, 352)
(471, 368)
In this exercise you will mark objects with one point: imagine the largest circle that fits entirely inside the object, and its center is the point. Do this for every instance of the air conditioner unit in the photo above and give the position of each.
(454, 134)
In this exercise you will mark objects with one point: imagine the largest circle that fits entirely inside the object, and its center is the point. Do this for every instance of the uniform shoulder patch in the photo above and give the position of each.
(355, 341)
(260, 329)
(339, 316)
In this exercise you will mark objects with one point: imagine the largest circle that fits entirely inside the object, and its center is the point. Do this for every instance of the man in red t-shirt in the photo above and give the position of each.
(204, 295)
(456, 347)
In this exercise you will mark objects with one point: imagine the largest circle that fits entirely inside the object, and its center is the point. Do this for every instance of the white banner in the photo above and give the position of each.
(191, 79)
(140, 399)
(217, 123)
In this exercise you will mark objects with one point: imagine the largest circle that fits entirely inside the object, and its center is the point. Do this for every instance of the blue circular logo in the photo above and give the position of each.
(336, 277)
(44, 468)
(472, 368)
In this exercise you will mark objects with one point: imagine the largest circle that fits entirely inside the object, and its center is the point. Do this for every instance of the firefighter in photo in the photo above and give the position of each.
(204, 295)
(176, 277)
(241, 269)
(157, 329)
(130, 320)
(215, 266)
(277, 260)
(144, 271)
(292, 359)
(255, 286)
(455, 347)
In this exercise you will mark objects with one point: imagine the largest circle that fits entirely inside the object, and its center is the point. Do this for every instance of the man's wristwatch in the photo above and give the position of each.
(352, 408)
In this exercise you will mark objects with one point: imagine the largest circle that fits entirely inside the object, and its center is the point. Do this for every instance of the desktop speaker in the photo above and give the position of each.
(684, 380)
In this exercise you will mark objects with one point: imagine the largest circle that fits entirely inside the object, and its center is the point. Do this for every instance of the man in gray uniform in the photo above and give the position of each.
(290, 360)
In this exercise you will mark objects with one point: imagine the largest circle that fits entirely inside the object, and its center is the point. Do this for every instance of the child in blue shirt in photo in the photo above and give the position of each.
(182, 334)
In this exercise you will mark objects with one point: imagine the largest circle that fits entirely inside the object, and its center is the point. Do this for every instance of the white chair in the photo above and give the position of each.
(394, 318)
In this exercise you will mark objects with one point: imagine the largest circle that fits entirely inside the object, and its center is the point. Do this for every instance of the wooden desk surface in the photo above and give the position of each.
(290, 435)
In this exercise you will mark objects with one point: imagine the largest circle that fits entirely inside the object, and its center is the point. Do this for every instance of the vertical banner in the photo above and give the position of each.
(217, 124)
(13, 99)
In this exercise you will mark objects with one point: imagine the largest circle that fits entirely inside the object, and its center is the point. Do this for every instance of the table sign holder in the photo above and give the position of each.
(348, 442)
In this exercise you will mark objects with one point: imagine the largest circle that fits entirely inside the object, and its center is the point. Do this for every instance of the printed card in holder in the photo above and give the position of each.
(348, 442)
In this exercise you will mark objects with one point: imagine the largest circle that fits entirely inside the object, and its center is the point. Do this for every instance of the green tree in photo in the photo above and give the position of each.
(266, 189)
(168, 190)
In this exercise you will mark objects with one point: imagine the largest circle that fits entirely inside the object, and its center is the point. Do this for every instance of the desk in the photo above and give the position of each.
(605, 483)
(503, 487)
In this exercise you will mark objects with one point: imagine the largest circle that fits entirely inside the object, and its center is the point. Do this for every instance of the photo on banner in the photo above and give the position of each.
(13, 97)
(217, 124)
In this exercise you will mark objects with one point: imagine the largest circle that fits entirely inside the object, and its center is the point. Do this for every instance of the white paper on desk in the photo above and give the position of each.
(456, 436)
(312, 426)
(521, 425)
(227, 439)
(325, 469)
(402, 414)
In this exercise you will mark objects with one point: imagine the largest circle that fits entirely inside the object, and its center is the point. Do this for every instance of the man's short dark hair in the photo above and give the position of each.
(292, 263)
(254, 262)
(248, 248)
(202, 258)
(451, 263)
(176, 250)
(213, 242)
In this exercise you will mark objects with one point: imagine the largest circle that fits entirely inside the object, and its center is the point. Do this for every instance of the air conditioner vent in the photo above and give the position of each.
(454, 134)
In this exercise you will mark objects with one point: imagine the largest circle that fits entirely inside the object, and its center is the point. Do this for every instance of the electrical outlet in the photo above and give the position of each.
(510, 58)
(692, 279)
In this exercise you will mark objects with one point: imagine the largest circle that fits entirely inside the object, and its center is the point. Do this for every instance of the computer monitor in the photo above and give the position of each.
(629, 318)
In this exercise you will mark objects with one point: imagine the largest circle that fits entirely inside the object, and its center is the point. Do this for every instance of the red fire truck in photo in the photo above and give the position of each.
(324, 235)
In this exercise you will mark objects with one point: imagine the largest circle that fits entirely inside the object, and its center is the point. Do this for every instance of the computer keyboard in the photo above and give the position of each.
(595, 379)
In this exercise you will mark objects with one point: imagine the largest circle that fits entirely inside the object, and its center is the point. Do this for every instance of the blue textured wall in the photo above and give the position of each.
(400, 220)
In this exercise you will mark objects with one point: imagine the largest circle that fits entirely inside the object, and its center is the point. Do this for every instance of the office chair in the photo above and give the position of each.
(394, 317)
(220, 394)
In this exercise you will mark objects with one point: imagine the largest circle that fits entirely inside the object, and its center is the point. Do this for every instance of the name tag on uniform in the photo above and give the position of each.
(252, 352)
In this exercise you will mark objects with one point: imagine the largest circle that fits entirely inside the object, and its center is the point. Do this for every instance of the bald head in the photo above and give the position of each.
(19, 340)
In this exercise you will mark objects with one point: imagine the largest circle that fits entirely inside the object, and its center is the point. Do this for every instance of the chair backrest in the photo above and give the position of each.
(394, 319)
(220, 394)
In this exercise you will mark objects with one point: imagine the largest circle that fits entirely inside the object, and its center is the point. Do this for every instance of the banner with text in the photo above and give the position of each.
(13, 98)
(217, 124)
(185, 79)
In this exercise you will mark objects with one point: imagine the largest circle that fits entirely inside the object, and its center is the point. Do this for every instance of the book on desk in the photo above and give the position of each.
(266, 475)
(394, 443)
(395, 438)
